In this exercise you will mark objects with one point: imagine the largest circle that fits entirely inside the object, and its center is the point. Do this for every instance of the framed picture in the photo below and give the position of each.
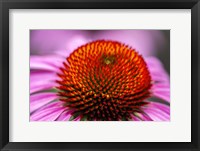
(99, 75)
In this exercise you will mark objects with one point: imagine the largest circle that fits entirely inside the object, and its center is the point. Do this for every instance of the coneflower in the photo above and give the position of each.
(102, 80)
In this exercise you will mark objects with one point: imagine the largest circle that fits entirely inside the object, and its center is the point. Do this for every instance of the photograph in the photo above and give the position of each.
(99, 75)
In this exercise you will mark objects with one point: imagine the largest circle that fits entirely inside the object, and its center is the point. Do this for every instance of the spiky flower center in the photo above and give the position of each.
(104, 80)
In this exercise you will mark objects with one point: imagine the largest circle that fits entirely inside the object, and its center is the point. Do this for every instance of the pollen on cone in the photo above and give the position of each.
(104, 80)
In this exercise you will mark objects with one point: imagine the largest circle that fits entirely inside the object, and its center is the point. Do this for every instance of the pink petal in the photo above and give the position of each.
(77, 119)
(162, 86)
(160, 78)
(158, 112)
(52, 116)
(49, 113)
(161, 91)
(154, 62)
(156, 117)
(162, 95)
(46, 85)
(47, 62)
(157, 70)
(42, 80)
(146, 117)
(65, 116)
(163, 107)
(142, 116)
(41, 99)
(41, 75)
(135, 118)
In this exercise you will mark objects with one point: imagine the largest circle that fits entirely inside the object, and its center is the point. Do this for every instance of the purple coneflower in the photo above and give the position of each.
(100, 81)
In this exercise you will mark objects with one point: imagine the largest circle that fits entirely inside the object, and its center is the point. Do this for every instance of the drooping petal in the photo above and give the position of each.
(141, 116)
(49, 113)
(39, 100)
(160, 79)
(42, 80)
(134, 118)
(47, 62)
(162, 107)
(156, 116)
(47, 85)
(157, 70)
(157, 111)
(65, 116)
(41, 75)
(77, 119)
(162, 95)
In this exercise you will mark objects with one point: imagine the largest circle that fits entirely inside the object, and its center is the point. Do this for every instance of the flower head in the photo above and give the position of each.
(104, 80)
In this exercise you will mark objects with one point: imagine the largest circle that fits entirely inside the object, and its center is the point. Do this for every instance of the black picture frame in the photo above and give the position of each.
(5, 5)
